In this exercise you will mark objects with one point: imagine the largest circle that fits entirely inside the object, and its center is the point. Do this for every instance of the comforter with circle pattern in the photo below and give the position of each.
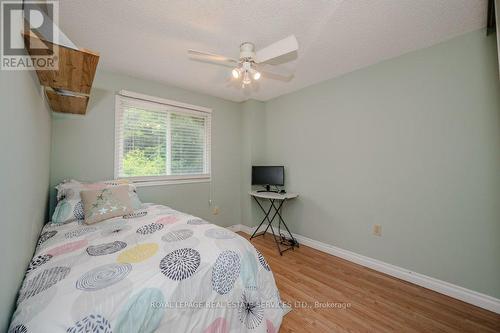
(158, 270)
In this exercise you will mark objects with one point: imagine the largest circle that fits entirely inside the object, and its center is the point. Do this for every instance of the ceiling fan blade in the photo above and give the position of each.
(282, 47)
(212, 58)
(275, 72)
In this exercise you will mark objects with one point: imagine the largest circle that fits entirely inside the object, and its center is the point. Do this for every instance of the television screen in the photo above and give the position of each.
(268, 175)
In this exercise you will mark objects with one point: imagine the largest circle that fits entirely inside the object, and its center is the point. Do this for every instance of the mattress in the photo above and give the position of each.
(157, 270)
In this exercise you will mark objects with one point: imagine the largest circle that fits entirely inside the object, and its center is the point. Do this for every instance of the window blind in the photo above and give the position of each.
(156, 140)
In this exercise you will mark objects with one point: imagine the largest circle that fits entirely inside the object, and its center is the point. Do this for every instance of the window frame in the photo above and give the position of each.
(180, 107)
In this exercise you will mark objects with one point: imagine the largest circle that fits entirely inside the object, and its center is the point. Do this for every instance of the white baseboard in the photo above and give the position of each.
(466, 295)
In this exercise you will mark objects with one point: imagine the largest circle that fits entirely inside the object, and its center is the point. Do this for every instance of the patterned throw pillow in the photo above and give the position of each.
(102, 204)
(69, 204)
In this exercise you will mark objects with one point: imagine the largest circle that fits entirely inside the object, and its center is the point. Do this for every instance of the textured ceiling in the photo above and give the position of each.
(149, 38)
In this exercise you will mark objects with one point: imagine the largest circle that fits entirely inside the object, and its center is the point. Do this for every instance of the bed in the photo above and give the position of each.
(156, 270)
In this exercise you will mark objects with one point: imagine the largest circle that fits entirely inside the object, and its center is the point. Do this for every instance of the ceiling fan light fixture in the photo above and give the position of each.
(256, 75)
(246, 78)
(236, 73)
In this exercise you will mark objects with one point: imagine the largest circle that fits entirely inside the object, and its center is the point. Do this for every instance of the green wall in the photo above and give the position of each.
(252, 152)
(83, 148)
(25, 127)
(413, 144)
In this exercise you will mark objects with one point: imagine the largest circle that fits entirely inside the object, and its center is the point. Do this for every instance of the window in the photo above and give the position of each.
(160, 141)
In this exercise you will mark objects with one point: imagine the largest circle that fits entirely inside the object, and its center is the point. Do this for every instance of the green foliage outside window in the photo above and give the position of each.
(136, 163)
(188, 144)
(146, 139)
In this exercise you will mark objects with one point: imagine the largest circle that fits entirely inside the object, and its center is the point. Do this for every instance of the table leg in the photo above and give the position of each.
(275, 240)
(272, 219)
(283, 221)
(266, 217)
(269, 220)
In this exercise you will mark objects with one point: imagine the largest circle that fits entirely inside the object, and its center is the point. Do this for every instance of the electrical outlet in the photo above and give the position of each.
(215, 210)
(377, 230)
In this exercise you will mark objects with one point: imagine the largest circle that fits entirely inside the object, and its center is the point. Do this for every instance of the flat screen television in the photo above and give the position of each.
(268, 175)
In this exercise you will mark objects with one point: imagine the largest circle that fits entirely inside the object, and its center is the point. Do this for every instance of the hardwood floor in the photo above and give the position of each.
(367, 301)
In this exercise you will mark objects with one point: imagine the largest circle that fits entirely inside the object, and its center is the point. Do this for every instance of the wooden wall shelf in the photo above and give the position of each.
(60, 102)
(67, 88)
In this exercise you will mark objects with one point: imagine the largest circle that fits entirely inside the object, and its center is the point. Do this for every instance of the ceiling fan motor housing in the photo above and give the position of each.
(247, 51)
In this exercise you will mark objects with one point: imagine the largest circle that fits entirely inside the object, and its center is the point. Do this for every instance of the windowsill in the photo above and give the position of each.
(170, 182)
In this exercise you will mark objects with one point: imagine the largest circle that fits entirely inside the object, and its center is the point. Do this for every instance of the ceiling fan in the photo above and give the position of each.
(251, 64)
